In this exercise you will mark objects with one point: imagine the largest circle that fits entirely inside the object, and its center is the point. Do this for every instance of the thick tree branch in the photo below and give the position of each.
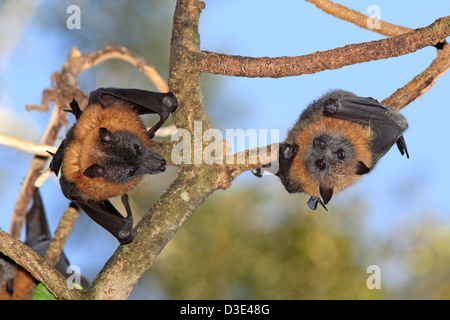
(230, 65)
(193, 183)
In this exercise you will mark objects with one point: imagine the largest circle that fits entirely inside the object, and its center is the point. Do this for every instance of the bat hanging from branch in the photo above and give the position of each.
(107, 151)
(38, 238)
(336, 140)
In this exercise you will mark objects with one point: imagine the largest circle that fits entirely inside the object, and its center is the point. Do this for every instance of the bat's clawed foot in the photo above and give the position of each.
(314, 201)
(401, 144)
(331, 105)
(126, 235)
(259, 172)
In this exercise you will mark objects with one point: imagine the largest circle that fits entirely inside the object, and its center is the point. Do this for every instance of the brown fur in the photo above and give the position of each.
(80, 153)
(341, 176)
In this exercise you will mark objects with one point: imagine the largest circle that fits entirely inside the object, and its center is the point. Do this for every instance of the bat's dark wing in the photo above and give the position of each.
(388, 125)
(142, 101)
(38, 235)
(286, 155)
(103, 212)
(36, 222)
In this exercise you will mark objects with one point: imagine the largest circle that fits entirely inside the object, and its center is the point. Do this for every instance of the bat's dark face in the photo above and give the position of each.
(122, 156)
(326, 156)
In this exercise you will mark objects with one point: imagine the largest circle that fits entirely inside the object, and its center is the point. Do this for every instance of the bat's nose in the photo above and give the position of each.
(163, 165)
(321, 141)
(155, 163)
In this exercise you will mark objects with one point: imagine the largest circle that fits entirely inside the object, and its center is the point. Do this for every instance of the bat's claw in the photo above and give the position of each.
(258, 172)
(401, 144)
(331, 105)
(314, 201)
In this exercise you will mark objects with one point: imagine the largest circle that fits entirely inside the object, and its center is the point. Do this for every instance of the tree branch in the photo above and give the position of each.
(37, 266)
(421, 83)
(231, 65)
(35, 148)
(341, 12)
(121, 53)
(193, 183)
(61, 235)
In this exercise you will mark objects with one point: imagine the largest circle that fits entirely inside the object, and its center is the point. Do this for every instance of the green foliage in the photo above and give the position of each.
(42, 293)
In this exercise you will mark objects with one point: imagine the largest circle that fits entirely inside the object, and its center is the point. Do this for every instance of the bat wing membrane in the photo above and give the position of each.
(142, 101)
(103, 213)
(388, 125)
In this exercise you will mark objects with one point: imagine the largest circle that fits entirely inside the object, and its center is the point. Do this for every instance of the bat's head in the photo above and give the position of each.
(332, 161)
(122, 156)
(331, 154)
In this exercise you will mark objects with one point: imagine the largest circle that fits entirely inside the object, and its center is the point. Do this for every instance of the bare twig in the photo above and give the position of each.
(27, 146)
(37, 164)
(121, 53)
(421, 83)
(37, 266)
(359, 19)
(231, 65)
(61, 235)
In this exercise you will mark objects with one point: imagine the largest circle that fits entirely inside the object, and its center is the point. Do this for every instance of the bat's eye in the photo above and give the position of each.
(340, 154)
(321, 164)
(132, 172)
(137, 149)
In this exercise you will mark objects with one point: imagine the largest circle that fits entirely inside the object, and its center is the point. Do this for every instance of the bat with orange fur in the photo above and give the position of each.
(107, 151)
(336, 140)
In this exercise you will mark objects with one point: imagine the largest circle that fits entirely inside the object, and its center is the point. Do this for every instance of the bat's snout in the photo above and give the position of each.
(154, 163)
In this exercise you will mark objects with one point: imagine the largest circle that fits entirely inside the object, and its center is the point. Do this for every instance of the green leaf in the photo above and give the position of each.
(42, 293)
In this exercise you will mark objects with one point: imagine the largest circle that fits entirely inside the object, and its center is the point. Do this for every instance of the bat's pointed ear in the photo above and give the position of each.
(326, 193)
(288, 151)
(401, 144)
(94, 171)
(362, 168)
(105, 134)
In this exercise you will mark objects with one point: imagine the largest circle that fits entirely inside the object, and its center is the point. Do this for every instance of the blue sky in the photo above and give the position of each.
(398, 187)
